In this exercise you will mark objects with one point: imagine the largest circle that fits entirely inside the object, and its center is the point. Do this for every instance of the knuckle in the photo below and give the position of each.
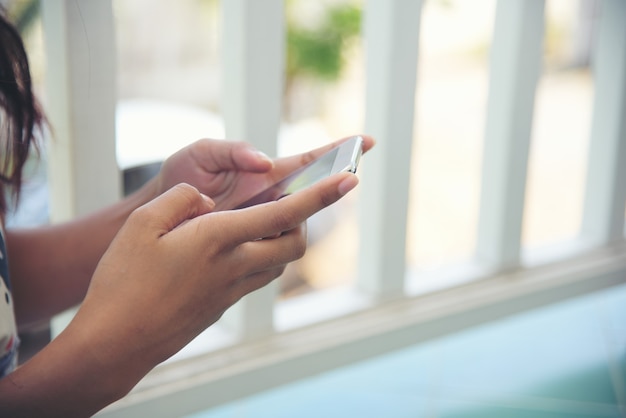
(268, 261)
(284, 219)
(141, 214)
(326, 200)
(142, 218)
(328, 197)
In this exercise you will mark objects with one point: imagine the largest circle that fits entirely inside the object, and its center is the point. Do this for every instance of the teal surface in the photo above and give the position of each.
(565, 360)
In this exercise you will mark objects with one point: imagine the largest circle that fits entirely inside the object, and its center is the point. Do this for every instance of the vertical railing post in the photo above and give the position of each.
(253, 66)
(516, 55)
(605, 198)
(83, 174)
(253, 57)
(391, 32)
(81, 100)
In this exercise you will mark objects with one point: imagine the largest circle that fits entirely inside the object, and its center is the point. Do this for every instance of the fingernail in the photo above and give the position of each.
(208, 200)
(348, 184)
(264, 156)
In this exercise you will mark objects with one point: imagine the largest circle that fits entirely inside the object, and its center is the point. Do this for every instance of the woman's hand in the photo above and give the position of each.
(176, 266)
(171, 271)
(231, 172)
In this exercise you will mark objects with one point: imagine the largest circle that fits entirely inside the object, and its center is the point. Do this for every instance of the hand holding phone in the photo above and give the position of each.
(343, 157)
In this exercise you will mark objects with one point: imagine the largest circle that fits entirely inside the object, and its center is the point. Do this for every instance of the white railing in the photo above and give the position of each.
(81, 80)
(382, 315)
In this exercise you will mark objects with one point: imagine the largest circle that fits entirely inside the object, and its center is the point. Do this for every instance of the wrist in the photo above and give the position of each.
(67, 378)
(147, 192)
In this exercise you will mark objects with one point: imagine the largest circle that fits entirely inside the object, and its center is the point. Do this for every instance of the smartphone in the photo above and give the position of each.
(343, 157)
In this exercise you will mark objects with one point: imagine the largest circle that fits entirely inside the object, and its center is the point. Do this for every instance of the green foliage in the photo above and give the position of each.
(318, 51)
(23, 14)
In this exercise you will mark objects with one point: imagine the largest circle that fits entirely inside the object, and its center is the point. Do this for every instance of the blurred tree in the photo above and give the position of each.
(317, 53)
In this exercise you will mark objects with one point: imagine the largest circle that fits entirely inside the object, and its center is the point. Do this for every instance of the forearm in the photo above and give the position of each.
(75, 375)
(51, 266)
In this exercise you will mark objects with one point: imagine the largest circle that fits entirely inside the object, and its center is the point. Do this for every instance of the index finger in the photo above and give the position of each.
(275, 217)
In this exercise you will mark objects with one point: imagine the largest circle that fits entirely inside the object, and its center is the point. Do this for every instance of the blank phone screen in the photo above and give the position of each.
(300, 179)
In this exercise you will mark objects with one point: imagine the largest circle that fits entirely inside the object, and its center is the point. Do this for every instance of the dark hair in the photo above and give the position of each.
(20, 114)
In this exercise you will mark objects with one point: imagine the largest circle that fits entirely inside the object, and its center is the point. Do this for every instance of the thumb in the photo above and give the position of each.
(177, 205)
